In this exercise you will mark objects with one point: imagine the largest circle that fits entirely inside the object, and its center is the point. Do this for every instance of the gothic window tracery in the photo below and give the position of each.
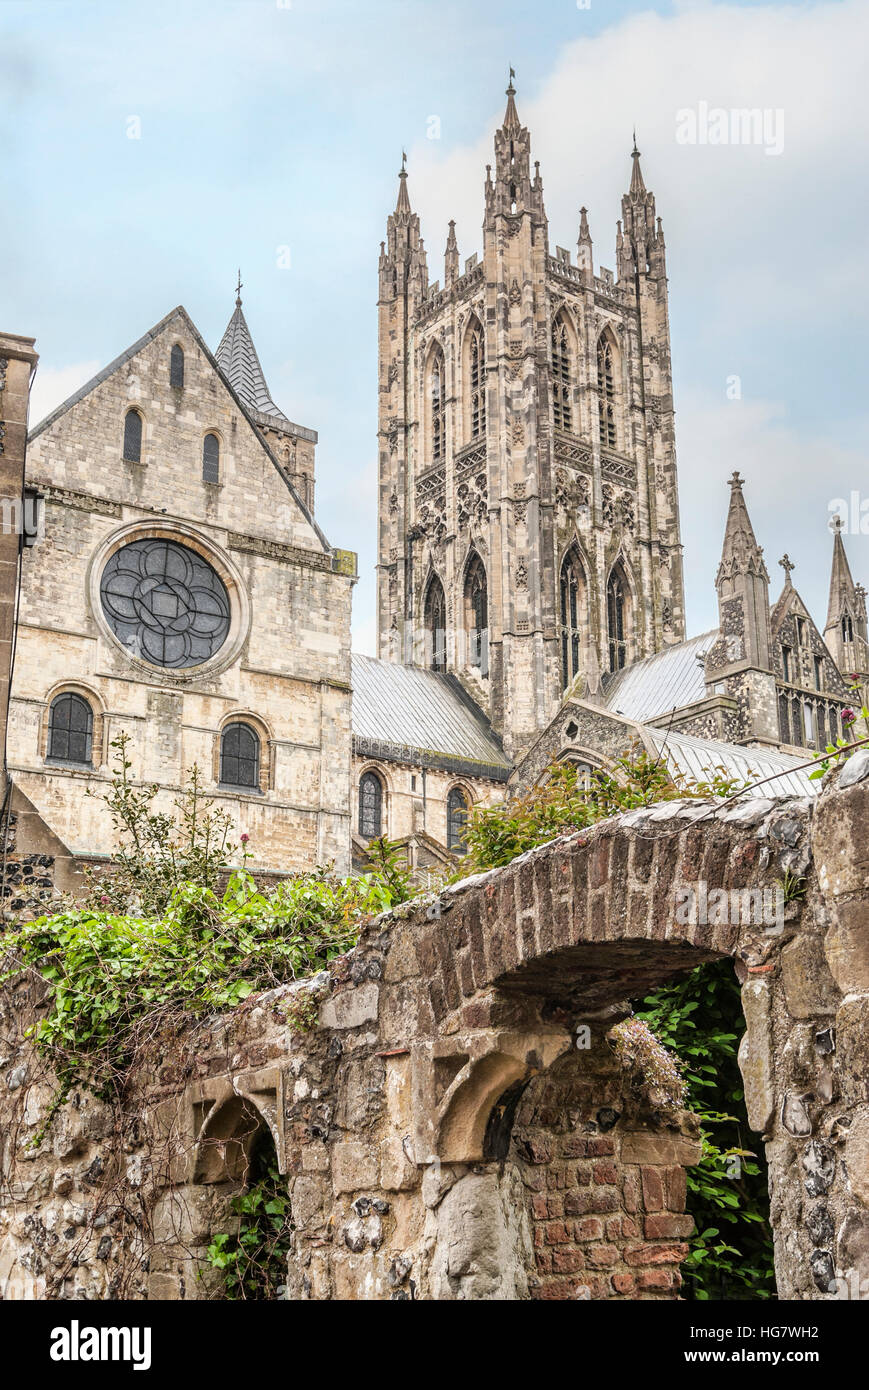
(438, 406)
(477, 615)
(165, 603)
(436, 626)
(616, 604)
(457, 815)
(572, 593)
(561, 376)
(370, 806)
(477, 379)
(606, 389)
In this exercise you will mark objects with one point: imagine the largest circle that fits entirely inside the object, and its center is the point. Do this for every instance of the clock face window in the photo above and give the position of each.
(165, 603)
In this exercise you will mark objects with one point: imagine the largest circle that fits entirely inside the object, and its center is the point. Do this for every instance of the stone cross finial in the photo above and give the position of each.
(735, 480)
(787, 565)
(837, 523)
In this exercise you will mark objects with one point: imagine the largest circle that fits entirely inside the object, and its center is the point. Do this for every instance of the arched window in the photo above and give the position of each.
(477, 615)
(477, 379)
(616, 620)
(561, 389)
(847, 629)
(133, 437)
(436, 626)
(211, 459)
(606, 392)
(239, 756)
(438, 387)
(176, 366)
(457, 814)
(572, 605)
(370, 806)
(70, 730)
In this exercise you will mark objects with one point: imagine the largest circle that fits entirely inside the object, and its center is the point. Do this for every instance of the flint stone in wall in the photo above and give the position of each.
(809, 987)
(755, 1055)
(483, 1244)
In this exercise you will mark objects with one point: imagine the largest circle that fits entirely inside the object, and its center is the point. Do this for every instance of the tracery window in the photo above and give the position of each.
(477, 608)
(436, 626)
(438, 406)
(457, 815)
(616, 628)
(561, 376)
(477, 380)
(165, 603)
(370, 806)
(572, 592)
(606, 392)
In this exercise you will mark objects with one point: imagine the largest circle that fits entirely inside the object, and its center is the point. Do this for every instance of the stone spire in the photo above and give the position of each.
(741, 554)
(637, 185)
(742, 650)
(512, 125)
(640, 247)
(845, 629)
(238, 361)
(514, 189)
(402, 204)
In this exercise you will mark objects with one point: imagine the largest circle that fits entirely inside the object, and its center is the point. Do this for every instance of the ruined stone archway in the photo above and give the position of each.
(440, 1122)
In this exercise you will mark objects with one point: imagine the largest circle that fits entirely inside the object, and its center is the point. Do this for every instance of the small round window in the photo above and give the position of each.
(165, 603)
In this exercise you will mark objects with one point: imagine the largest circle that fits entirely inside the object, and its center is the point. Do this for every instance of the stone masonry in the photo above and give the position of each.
(441, 1133)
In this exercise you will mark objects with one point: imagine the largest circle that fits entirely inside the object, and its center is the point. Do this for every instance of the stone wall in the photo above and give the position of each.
(456, 1125)
(284, 667)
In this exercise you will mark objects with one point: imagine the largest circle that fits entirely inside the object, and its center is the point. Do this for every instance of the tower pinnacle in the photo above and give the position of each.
(403, 201)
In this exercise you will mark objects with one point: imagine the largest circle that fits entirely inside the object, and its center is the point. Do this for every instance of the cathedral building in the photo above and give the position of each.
(530, 601)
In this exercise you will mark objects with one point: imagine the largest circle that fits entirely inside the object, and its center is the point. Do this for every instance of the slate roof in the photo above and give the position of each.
(237, 358)
(668, 680)
(696, 757)
(408, 714)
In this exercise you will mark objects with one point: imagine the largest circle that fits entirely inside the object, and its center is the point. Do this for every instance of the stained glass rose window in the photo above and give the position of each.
(165, 603)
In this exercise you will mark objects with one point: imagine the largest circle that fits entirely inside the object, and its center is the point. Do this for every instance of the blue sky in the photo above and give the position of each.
(266, 125)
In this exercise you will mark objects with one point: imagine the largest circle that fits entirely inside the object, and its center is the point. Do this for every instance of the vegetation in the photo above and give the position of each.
(253, 1257)
(171, 933)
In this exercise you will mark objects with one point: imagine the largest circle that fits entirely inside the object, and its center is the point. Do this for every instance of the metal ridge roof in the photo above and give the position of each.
(414, 711)
(668, 680)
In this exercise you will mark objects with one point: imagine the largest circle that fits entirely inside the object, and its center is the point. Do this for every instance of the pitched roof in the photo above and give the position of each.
(408, 714)
(668, 680)
(237, 358)
(243, 406)
(697, 757)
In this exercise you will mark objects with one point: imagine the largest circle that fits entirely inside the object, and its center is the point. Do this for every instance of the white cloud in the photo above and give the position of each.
(53, 385)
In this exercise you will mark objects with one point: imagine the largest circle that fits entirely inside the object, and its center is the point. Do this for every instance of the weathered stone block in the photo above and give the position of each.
(354, 1166)
(351, 1007)
(810, 989)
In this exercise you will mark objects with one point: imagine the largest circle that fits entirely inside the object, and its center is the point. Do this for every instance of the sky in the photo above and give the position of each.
(151, 148)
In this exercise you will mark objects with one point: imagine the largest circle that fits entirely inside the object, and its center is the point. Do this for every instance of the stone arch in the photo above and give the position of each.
(226, 1128)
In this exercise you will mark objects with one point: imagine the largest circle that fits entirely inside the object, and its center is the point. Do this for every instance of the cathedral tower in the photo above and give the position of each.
(528, 515)
(845, 630)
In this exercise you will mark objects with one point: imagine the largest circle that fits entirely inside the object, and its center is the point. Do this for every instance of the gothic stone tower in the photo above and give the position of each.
(528, 513)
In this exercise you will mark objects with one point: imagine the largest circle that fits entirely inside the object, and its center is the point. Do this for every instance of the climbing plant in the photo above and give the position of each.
(252, 1256)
